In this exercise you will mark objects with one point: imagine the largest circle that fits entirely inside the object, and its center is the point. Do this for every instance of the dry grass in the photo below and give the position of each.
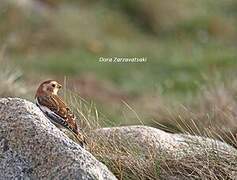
(127, 161)
(212, 113)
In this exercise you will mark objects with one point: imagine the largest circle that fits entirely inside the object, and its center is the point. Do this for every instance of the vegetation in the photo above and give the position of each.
(128, 160)
(188, 83)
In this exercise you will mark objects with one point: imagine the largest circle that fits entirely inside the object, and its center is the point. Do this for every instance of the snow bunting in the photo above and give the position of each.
(56, 110)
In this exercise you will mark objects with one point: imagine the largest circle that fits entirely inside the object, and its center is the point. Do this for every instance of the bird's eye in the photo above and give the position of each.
(53, 85)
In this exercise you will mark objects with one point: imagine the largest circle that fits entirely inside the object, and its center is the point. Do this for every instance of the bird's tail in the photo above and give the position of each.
(80, 139)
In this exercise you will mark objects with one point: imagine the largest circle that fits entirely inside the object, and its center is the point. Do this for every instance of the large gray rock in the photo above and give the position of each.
(178, 156)
(172, 144)
(32, 148)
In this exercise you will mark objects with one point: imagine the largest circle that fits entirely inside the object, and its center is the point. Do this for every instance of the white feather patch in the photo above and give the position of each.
(52, 116)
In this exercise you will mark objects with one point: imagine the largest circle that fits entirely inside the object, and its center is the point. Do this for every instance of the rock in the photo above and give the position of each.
(161, 141)
(179, 156)
(33, 148)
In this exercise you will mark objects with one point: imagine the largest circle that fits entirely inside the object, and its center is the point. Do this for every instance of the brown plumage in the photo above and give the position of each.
(56, 110)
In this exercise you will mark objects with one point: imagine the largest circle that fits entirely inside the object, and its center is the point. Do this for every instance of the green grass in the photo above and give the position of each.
(174, 68)
(194, 47)
(183, 56)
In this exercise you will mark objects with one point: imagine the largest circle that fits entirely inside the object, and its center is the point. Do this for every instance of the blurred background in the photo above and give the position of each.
(190, 46)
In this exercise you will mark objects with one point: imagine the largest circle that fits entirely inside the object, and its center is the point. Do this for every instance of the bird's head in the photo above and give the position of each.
(48, 88)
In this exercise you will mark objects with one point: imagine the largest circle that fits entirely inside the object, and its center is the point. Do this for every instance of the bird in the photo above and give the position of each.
(57, 111)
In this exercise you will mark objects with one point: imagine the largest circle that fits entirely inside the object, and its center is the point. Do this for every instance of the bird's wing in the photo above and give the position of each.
(59, 111)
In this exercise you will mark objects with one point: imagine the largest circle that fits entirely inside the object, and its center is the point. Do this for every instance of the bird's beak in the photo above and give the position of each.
(59, 86)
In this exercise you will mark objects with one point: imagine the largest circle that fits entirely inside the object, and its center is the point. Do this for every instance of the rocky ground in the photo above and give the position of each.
(33, 148)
